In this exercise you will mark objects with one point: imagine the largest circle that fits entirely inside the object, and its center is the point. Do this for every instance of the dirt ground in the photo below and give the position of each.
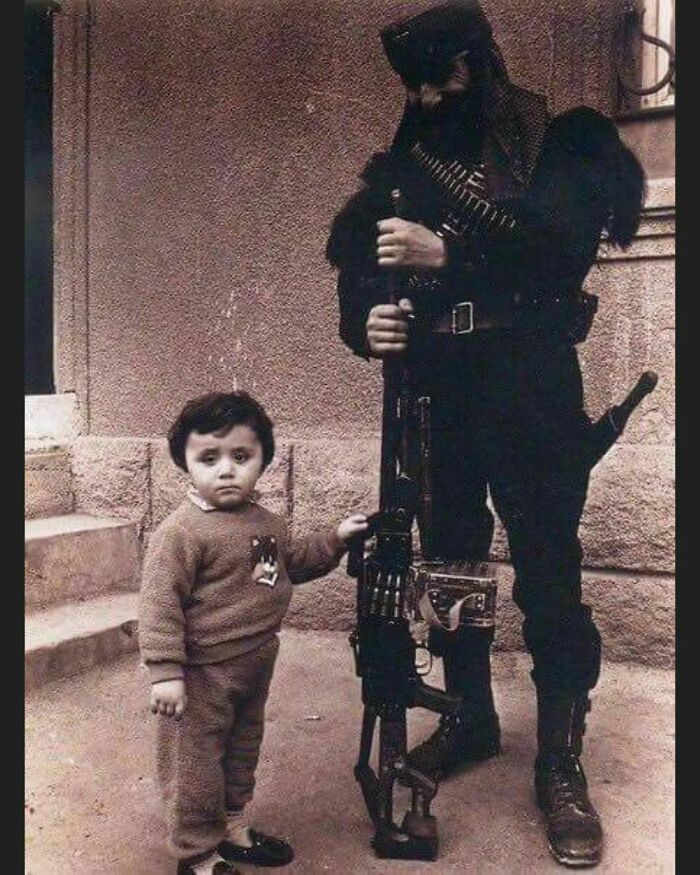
(92, 806)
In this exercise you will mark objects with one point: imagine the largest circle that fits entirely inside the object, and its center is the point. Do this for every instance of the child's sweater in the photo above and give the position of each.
(217, 583)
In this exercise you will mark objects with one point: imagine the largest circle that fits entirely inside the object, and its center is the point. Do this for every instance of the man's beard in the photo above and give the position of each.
(443, 126)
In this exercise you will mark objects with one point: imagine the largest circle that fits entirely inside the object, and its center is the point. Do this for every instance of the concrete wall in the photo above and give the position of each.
(202, 148)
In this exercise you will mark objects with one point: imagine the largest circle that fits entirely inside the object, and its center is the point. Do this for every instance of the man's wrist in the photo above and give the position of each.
(454, 245)
(443, 259)
(457, 251)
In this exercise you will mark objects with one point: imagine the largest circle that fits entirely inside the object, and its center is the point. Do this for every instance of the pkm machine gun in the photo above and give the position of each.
(391, 589)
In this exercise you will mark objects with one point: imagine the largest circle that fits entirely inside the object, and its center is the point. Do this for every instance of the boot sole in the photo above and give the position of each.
(572, 862)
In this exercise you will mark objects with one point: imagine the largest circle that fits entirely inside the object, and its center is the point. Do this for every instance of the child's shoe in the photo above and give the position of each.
(208, 863)
(264, 850)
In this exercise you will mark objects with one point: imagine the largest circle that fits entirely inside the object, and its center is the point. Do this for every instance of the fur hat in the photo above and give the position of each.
(421, 48)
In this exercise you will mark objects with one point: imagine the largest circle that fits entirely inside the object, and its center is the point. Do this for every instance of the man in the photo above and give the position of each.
(494, 316)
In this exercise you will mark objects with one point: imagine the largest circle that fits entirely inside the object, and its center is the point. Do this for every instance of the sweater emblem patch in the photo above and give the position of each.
(264, 559)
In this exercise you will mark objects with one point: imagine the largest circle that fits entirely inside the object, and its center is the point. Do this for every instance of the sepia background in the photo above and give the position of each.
(200, 150)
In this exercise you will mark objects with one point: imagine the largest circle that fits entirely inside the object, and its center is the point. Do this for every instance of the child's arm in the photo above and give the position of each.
(168, 576)
(320, 553)
(351, 526)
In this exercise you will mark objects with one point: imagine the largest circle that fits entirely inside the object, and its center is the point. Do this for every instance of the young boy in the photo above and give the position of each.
(216, 585)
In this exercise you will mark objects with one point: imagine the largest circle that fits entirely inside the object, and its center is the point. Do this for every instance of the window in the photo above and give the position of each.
(646, 55)
(658, 20)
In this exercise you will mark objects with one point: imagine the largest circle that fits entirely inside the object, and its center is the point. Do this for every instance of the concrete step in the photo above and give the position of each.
(51, 417)
(74, 556)
(71, 638)
(47, 479)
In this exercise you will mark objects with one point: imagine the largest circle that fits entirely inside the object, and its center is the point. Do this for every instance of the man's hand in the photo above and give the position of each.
(387, 328)
(351, 526)
(407, 244)
(168, 698)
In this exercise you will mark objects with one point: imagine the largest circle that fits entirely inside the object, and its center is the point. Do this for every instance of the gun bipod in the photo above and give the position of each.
(416, 838)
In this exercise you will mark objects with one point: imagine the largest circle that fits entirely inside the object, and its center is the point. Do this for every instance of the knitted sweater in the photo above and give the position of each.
(218, 583)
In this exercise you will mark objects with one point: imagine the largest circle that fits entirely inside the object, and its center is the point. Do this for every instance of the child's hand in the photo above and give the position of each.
(351, 526)
(169, 698)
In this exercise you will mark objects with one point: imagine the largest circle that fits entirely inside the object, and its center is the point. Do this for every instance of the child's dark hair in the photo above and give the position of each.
(220, 411)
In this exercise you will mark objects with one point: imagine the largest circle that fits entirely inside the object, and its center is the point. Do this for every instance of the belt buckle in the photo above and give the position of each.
(463, 318)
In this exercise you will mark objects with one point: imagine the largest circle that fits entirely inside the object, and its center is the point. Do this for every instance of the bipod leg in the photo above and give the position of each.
(363, 772)
(417, 837)
(419, 823)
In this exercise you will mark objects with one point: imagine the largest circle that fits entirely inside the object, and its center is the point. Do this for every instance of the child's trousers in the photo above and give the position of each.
(206, 761)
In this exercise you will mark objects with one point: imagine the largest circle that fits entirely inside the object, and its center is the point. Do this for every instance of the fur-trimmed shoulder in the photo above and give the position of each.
(613, 174)
(353, 230)
(378, 171)
(583, 130)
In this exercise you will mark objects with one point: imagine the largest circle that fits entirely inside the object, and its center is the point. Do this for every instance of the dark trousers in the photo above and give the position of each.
(507, 416)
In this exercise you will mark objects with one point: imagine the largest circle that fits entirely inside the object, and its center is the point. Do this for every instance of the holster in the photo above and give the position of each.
(565, 318)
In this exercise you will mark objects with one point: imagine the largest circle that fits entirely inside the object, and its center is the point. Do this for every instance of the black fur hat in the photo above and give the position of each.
(421, 48)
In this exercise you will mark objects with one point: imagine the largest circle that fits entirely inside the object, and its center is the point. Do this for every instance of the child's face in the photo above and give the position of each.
(224, 469)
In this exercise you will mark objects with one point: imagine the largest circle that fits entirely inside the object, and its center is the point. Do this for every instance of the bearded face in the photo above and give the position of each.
(442, 91)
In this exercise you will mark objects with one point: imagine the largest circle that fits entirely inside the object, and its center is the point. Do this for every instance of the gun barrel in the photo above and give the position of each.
(612, 423)
(393, 283)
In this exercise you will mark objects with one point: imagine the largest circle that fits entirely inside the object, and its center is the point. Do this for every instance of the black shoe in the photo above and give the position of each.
(574, 830)
(459, 739)
(220, 867)
(264, 851)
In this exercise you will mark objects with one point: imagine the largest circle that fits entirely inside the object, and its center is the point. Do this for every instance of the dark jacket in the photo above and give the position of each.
(557, 176)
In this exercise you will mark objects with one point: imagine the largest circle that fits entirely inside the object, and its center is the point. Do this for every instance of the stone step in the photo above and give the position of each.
(75, 556)
(71, 638)
(51, 417)
(48, 487)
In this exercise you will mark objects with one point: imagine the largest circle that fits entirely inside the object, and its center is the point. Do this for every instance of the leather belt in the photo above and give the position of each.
(466, 318)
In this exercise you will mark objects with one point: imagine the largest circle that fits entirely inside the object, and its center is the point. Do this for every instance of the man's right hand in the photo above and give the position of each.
(387, 328)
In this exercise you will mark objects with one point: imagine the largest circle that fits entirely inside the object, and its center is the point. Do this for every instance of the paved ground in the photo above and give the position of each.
(92, 807)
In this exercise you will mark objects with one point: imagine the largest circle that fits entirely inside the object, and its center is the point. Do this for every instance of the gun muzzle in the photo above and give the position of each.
(612, 423)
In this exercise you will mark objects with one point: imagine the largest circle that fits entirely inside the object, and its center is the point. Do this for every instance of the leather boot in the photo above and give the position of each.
(574, 830)
(462, 738)
(473, 734)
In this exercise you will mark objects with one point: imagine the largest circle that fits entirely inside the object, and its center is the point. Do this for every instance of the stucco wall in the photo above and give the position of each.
(627, 528)
(201, 151)
(202, 147)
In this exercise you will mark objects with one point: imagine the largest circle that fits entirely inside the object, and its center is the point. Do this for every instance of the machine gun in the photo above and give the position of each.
(391, 589)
